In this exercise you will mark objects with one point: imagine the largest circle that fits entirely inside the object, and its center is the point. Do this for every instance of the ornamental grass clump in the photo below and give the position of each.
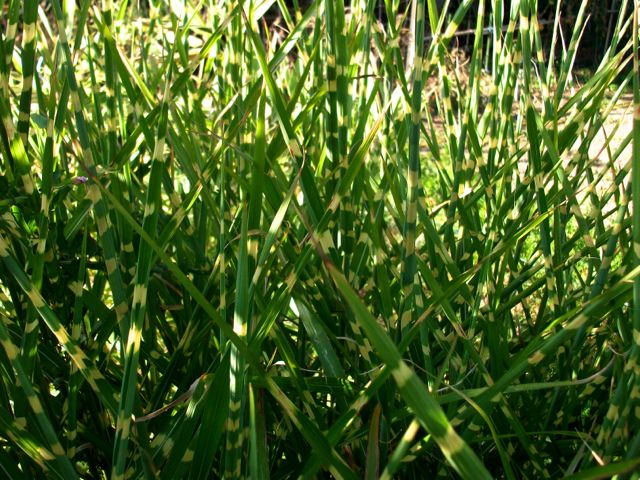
(270, 240)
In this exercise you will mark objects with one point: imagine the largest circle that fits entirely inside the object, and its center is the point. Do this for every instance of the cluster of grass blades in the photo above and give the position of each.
(233, 247)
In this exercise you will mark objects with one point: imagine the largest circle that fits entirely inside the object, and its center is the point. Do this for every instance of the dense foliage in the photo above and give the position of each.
(316, 245)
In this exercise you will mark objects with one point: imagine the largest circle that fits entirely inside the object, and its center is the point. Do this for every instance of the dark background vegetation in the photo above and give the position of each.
(597, 34)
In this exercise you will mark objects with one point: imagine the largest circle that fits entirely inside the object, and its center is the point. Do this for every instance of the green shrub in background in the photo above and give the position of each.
(315, 247)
